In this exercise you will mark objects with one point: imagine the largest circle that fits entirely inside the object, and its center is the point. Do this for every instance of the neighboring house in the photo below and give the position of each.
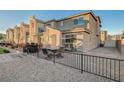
(44, 34)
(10, 35)
(103, 36)
(80, 32)
(16, 34)
(36, 27)
(51, 37)
(24, 34)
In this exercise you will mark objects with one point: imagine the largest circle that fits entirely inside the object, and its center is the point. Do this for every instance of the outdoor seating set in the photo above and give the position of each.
(31, 48)
(47, 53)
(53, 52)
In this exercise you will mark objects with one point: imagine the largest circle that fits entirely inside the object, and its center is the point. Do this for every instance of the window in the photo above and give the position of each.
(62, 23)
(79, 21)
(75, 21)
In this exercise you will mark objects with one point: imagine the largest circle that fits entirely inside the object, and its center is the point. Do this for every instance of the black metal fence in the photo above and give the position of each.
(102, 66)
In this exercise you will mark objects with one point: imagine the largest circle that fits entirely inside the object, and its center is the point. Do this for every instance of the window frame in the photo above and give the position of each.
(79, 21)
(75, 21)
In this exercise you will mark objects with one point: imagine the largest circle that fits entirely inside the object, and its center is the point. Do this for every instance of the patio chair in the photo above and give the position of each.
(31, 48)
(59, 52)
(46, 53)
(36, 48)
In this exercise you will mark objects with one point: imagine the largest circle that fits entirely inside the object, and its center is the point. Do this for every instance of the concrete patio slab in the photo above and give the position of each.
(106, 52)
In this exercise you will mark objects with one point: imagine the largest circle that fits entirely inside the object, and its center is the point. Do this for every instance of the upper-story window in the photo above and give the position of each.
(76, 22)
(62, 23)
(79, 21)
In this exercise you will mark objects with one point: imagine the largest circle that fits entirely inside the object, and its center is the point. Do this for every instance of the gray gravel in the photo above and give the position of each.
(26, 68)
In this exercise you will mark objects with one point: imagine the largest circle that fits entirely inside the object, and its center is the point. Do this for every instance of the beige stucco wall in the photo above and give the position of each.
(24, 28)
(103, 36)
(33, 29)
(94, 29)
(10, 36)
(87, 34)
(69, 23)
(51, 37)
(89, 41)
(16, 35)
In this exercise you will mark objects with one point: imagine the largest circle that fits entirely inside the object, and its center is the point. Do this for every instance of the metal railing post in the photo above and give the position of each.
(119, 70)
(81, 63)
(54, 57)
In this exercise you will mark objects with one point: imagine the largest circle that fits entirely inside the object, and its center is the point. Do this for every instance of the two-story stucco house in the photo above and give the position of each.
(79, 32)
(36, 26)
(16, 33)
(10, 35)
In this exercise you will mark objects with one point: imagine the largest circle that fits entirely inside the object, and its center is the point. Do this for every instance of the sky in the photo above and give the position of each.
(112, 20)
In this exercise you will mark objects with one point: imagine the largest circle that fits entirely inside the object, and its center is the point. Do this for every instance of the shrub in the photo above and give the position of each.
(6, 51)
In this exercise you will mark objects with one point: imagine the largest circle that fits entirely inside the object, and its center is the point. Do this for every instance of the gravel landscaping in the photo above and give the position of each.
(19, 67)
(24, 68)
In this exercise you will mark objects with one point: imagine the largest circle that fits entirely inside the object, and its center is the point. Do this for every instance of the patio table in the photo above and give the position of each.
(54, 51)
